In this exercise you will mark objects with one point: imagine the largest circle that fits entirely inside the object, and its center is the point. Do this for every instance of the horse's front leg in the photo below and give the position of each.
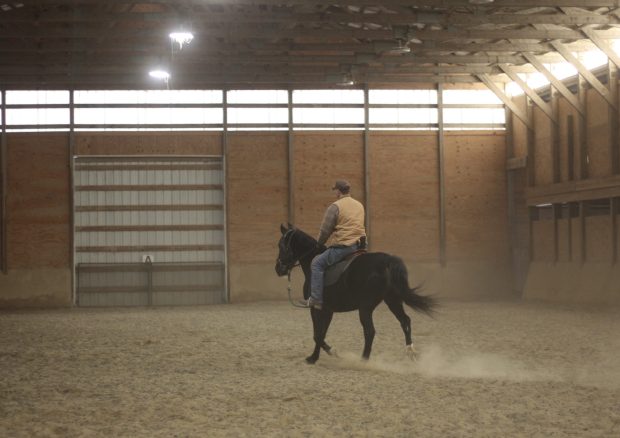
(320, 322)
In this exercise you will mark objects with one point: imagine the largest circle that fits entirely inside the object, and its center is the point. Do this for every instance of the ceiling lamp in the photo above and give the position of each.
(160, 74)
(480, 2)
(181, 38)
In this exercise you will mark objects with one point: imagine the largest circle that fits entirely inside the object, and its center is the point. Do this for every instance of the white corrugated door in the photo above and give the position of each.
(149, 231)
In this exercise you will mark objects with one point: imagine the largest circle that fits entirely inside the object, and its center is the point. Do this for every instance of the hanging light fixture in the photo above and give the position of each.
(160, 74)
(181, 38)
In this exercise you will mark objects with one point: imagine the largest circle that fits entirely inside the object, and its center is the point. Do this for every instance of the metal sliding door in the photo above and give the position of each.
(149, 231)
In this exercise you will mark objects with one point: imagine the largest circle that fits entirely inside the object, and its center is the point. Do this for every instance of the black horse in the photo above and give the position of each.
(370, 278)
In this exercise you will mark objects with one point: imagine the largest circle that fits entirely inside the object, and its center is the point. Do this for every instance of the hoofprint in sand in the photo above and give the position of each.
(485, 369)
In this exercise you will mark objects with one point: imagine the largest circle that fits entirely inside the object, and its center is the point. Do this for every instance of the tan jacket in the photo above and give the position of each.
(343, 223)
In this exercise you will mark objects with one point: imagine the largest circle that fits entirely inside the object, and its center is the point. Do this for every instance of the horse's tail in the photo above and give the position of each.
(399, 282)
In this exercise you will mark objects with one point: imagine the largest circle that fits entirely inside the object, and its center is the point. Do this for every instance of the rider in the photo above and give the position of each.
(343, 225)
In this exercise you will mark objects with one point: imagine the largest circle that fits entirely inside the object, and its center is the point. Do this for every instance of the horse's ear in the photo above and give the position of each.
(290, 226)
(282, 228)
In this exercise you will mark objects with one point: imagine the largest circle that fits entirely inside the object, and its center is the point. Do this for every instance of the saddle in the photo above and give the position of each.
(333, 272)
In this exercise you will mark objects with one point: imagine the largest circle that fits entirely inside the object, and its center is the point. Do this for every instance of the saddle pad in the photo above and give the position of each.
(333, 272)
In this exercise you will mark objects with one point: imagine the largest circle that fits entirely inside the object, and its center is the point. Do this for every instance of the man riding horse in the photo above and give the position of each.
(343, 231)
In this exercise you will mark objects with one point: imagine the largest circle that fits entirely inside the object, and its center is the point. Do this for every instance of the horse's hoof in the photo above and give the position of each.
(332, 352)
(311, 360)
(412, 352)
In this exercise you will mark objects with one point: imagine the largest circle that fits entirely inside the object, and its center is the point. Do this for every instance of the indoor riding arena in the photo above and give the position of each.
(152, 150)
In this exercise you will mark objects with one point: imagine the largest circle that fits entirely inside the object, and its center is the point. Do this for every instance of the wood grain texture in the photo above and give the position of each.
(38, 210)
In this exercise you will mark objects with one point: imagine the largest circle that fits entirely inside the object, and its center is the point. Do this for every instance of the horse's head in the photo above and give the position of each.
(286, 254)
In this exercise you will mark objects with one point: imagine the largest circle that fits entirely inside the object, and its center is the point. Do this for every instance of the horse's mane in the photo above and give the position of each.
(304, 238)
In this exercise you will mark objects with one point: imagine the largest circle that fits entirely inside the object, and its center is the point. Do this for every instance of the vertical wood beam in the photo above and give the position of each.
(582, 128)
(291, 160)
(570, 147)
(367, 166)
(557, 213)
(70, 158)
(512, 211)
(614, 141)
(442, 177)
(531, 145)
(555, 138)
(613, 208)
(582, 231)
(225, 154)
(3, 187)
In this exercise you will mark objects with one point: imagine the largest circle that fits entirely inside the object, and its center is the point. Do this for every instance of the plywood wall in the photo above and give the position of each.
(257, 186)
(319, 160)
(476, 207)
(38, 221)
(404, 186)
(149, 143)
(403, 203)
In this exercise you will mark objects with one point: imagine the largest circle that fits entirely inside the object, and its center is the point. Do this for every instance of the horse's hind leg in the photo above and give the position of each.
(369, 330)
(405, 323)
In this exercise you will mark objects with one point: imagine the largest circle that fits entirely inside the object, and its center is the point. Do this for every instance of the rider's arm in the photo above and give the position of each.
(329, 223)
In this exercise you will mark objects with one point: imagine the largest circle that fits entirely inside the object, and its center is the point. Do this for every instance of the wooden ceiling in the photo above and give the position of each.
(92, 44)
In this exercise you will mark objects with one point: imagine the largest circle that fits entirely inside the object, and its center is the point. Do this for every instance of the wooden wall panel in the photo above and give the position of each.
(257, 195)
(38, 210)
(149, 143)
(320, 159)
(542, 241)
(404, 189)
(598, 239)
(543, 148)
(599, 159)
(476, 204)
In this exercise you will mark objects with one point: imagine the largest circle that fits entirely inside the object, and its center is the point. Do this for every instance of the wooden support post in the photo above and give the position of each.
(570, 231)
(225, 154)
(367, 165)
(582, 129)
(291, 161)
(557, 214)
(3, 187)
(582, 231)
(614, 141)
(570, 147)
(555, 133)
(531, 147)
(442, 179)
(613, 208)
(70, 158)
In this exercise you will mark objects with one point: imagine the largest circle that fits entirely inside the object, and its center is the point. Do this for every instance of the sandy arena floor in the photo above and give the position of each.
(496, 369)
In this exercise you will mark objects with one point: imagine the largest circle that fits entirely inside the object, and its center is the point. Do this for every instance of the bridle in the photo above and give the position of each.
(291, 264)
